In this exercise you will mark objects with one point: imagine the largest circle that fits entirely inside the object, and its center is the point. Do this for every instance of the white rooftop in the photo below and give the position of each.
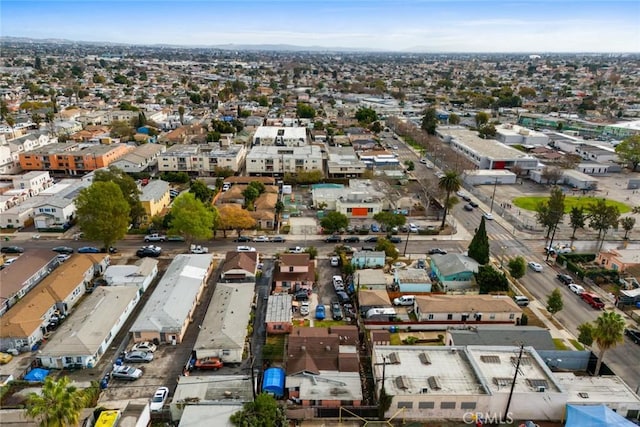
(487, 147)
(329, 385)
(595, 390)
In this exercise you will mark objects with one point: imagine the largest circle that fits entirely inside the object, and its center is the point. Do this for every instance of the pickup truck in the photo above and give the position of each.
(296, 250)
(197, 249)
(155, 237)
(593, 300)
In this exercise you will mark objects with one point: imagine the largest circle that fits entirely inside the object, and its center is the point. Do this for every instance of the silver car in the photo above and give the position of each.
(138, 356)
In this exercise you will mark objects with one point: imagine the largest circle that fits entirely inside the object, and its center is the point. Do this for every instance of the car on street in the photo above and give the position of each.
(112, 250)
(63, 250)
(208, 363)
(258, 239)
(488, 215)
(88, 250)
(277, 239)
(634, 334)
(155, 237)
(473, 204)
(334, 261)
(535, 266)
(175, 239)
(12, 250)
(159, 399)
(148, 251)
(333, 239)
(245, 249)
(468, 207)
(144, 346)
(62, 257)
(336, 311)
(521, 300)
(592, 299)
(372, 239)
(395, 239)
(138, 356)
(437, 251)
(124, 372)
(351, 239)
(320, 312)
(576, 289)
(242, 239)
(565, 279)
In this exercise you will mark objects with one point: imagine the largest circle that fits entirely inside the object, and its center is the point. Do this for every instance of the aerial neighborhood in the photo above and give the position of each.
(411, 238)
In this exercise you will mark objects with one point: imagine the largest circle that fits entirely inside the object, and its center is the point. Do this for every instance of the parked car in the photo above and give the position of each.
(343, 296)
(488, 216)
(372, 239)
(592, 299)
(61, 257)
(304, 308)
(5, 358)
(468, 207)
(320, 313)
(521, 300)
(12, 250)
(565, 279)
(242, 239)
(437, 251)
(301, 295)
(336, 311)
(124, 372)
(261, 239)
(138, 356)
(576, 289)
(159, 399)
(208, 363)
(375, 228)
(112, 250)
(277, 239)
(634, 334)
(148, 251)
(175, 239)
(395, 239)
(144, 346)
(155, 237)
(334, 261)
(351, 239)
(535, 266)
(413, 228)
(88, 250)
(333, 239)
(63, 250)
(245, 249)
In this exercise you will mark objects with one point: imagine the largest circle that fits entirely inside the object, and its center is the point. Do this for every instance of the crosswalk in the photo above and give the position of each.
(500, 237)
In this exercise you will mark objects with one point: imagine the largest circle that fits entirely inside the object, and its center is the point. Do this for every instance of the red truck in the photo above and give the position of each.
(593, 300)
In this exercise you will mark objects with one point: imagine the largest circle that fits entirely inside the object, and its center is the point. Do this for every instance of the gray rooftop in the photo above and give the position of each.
(329, 385)
(533, 336)
(454, 263)
(486, 147)
(154, 190)
(279, 308)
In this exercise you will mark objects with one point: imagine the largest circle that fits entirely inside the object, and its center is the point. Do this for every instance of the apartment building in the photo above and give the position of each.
(141, 158)
(280, 136)
(73, 158)
(273, 160)
(202, 158)
(34, 182)
(154, 198)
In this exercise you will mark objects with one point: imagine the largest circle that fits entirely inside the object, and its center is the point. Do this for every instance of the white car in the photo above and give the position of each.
(304, 308)
(159, 398)
(488, 216)
(335, 261)
(535, 266)
(261, 239)
(245, 249)
(63, 257)
(144, 346)
(576, 289)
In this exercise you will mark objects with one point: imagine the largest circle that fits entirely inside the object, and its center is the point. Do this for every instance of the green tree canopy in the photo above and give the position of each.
(629, 151)
(103, 212)
(554, 301)
(585, 334)
(389, 249)
(449, 183)
(517, 267)
(627, 223)
(305, 111)
(602, 217)
(333, 221)
(429, 121)
(608, 332)
(491, 280)
(550, 213)
(479, 246)
(454, 119)
(482, 118)
(59, 404)
(191, 218)
(366, 115)
(577, 219)
(200, 190)
(264, 411)
(129, 189)
(390, 219)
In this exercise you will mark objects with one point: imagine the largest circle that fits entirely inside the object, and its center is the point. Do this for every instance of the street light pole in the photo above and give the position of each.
(493, 196)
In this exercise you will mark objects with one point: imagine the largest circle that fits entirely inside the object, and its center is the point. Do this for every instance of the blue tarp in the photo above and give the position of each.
(594, 416)
(36, 375)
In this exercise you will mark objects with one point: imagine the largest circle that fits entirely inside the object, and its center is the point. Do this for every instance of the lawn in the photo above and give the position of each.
(577, 345)
(530, 203)
(560, 345)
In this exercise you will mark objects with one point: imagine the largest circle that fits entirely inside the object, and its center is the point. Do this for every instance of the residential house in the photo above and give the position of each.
(440, 383)
(86, 334)
(264, 210)
(34, 182)
(73, 158)
(294, 272)
(239, 267)
(223, 332)
(141, 274)
(55, 207)
(507, 335)
(155, 198)
(279, 314)
(170, 308)
(368, 259)
(411, 280)
(454, 271)
(23, 275)
(28, 320)
(142, 158)
(276, 160)
(369, 298)
(467, 309)
(374, 279)
(91, 133)
(322, 367)
(618, 259)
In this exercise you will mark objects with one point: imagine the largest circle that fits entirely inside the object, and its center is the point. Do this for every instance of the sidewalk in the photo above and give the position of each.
(541, 313)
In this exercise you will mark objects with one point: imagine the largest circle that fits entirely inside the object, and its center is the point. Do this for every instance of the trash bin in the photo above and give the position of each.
(393, 329)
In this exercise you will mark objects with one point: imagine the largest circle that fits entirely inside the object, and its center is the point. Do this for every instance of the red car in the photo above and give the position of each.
(212, 363)
(593, 300)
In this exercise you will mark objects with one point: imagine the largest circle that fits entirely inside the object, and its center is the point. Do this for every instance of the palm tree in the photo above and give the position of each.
(58, 405)
(608, 332)
(449, 183)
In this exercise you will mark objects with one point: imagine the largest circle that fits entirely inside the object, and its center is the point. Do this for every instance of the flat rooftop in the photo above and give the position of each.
(329, 385)
(486, 147)
(589, 390)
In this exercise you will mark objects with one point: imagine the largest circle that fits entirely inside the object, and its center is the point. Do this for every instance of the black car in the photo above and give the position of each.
(333, 239)
(336, 311)
(112, 250)
(301, 295)
(473, 204)
(437, 251)
(466, 198)
(241, 239)
(351, 239)
(12, 250)
(395, 239)
(372, 239)
(63, 250)
(343, 296)
(634, 334)
(148, 252)
(565, 279)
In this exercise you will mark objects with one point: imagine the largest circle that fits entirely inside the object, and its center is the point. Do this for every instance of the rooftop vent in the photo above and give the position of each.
(402, 382)
(424, 358)
(490, 358)
(434, 383)
(394, 358)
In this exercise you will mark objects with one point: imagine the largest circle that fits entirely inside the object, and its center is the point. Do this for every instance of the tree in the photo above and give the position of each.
(479, 246)
(390, 219)
(58, 405)
(410, 165)
(551, 175)
(334, 221)
(390, 250)
(454, 119)
(430, 121)
(487, 131)
(585, 334)
(264, 411)
(627, 224)
(602, 217)
(577, 219)
(608, 331)
(376, 127)
(517, 267)
(481, 118)
(305, 111)
(200, 190)
(549, 213)
(191, 218)
(554, 302)
(11, 122)
(629, 151)
(128, 187)
(181, 114)
(103, 212)
(366, 115)
(449, 183)
(491, 280)
(233, 217)
(250, 195)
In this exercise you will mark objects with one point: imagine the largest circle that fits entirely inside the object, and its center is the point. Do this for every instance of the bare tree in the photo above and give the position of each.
(551, 175)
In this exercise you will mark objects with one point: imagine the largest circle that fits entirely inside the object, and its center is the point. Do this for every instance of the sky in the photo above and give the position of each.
(533, 26)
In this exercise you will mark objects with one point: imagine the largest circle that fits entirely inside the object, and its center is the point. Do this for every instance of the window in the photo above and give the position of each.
(449, 316)
(512, 316)
(468, 405)
(430, 317)
(406, 405)
(290, 269)
(447, 405)
(68, 360)
(492, 316)
(226, 352)
(425, 405)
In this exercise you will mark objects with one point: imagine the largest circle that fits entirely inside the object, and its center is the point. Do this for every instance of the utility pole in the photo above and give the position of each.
(253, 379)
(513, 384)
(493, 196)
(406, 243)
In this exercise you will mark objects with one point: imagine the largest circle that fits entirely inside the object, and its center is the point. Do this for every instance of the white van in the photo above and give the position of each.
(405, 300)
